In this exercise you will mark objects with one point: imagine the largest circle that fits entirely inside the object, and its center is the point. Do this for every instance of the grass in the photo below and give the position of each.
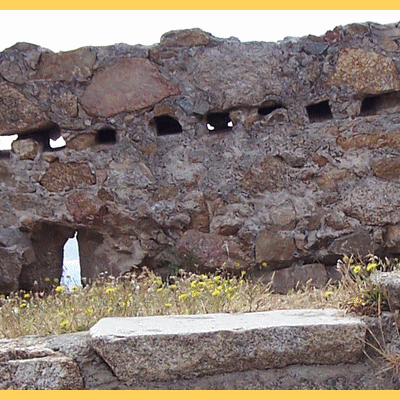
(144, 294)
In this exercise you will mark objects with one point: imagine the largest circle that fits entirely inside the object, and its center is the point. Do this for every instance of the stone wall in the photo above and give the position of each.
(243, 154)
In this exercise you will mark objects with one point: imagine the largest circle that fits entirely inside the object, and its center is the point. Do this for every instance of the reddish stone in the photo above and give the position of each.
(67, 176)
(84, 208)
(130, 85)
(17, 113)
(66, 66)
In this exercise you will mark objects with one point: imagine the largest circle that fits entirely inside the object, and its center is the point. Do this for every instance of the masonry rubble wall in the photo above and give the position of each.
(246, 155)
(303, 349)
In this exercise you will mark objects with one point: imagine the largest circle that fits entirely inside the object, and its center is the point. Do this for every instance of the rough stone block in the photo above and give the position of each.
(391, 283)
(36, 368)
(67, 176)
(365, 70)
(162, 348)
(17, 113)
(274, 248)
(131, 84)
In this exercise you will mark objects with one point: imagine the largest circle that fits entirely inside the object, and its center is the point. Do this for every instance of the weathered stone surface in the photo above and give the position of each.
(212, 251)
(268, 175)
(370, 141)
(359, 243)
(274, 248)
(25, 149)
(366, 71)
(60, 176)
(66, 66)
(387, 169)
(17, 113)
(37, 368)
(193, 346)
(131, 84)
(85, 209)
(307, 148)
(392, 238)
(373, 203)
(10, 269)
(82, 142)
(185, 37)
(293, 278)
(391, 282)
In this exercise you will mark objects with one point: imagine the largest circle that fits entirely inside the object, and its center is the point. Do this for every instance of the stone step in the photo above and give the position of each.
(165, 348)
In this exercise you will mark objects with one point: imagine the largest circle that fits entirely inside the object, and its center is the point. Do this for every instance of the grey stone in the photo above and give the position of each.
(169, 347)
(297, 277)
(358, 243)
(316, 48)
(391, 282)
(37, 368)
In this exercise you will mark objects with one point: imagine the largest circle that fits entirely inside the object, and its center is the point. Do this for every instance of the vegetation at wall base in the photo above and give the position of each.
(142, 293)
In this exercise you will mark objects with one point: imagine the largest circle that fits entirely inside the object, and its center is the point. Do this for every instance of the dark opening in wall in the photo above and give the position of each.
(319, 112)
(46, 262)
(267, 109)
(49, 137)
(106, 136)
(387, 102)
(218, 122)
(167, 125)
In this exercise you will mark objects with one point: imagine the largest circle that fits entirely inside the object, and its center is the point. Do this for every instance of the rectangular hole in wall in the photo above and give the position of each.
(319, 112)
(106, 135)
(167, 125)
(383, 103)
(219, 122)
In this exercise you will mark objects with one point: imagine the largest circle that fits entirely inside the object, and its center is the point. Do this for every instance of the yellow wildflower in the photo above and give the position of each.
(193, 284)
(27, 296)
(216, 292)
(159, 290)
(196, 293)
(47, 279)
(242, 273)
(56, 280)
(173, 286)
(64, 324)
(183, 296)
(210, 284)
(219, 287)
(89, 311)
(201, 284)
(110, 310)
(2, 296)
(22, 305)
(237, 264)
(203, 277)
(59, 289)
(159, 282)
(168, 305)
(371, 266)
(74, 289)
(109, 290)
(356, 269)
(264, 264)
(328, 293)
(217, 278)
(61, 314)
